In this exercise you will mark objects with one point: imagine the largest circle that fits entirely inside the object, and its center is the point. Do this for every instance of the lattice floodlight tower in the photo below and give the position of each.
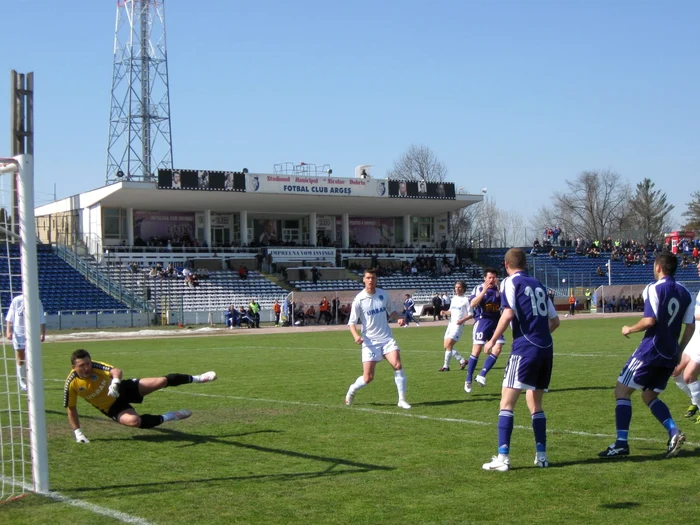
(139, 118)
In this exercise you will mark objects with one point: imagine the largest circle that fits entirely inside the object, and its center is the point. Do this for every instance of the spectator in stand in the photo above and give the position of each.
(254, 312)
(437, 307)
(324, 310)
(277, 309)
(233, 318)
(445, 302)
(409, 310)
(310, 314)
(315, 274)
(572, 304)
(242, 271)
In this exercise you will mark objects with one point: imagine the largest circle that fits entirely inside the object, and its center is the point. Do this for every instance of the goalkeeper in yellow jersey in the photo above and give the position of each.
(102, 386)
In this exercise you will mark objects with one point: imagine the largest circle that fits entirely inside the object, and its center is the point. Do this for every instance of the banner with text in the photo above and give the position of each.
(310, 255)
(310, 185)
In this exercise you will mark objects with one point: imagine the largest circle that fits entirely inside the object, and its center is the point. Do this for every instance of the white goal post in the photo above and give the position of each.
(14, 480)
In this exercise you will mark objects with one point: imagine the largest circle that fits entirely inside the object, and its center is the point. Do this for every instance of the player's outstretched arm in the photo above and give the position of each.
(74, 421)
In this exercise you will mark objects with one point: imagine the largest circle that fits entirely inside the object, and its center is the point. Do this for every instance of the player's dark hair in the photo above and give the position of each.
(516, 259)
(462, 284)
(668, 263)
(373, 271)
(79, 354)
(490, 269)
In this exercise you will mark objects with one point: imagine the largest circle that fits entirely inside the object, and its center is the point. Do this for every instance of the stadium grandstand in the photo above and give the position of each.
(190, 243)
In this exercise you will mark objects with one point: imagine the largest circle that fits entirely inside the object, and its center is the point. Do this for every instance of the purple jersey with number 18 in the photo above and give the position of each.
(527, 297)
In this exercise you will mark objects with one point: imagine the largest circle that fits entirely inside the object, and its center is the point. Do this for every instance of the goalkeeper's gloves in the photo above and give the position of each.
(80, 437)
(114, 388)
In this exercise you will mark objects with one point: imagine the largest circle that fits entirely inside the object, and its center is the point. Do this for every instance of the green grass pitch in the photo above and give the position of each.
(272, 442)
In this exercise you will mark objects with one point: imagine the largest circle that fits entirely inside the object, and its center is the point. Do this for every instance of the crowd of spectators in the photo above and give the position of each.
(622, 304)
(330, 312)
(248, 315)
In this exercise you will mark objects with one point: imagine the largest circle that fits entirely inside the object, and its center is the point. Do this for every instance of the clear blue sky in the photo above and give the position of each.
(517, 96)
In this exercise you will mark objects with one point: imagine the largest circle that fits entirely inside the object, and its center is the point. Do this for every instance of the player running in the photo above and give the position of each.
(459, 313)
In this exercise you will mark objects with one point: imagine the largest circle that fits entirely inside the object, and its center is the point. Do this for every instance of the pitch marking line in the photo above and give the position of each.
(91, 507)
(414, 416)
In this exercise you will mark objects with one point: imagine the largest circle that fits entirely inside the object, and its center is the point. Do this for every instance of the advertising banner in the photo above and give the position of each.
(171, 225)
(312, 185)
(200, 180)
(367, 230)
(421, 189)
(302, 254)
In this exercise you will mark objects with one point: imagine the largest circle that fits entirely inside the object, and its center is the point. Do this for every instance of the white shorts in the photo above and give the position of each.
(20, 343)
(454, 332)
(693, 350)
(376, 350)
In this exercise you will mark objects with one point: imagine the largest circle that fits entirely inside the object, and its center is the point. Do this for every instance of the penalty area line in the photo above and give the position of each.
(403, 413)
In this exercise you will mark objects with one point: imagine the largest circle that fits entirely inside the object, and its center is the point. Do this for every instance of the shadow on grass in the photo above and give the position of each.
(334, 466)
(582, 388)
(469, 398)
(621, 505)
(661, 456)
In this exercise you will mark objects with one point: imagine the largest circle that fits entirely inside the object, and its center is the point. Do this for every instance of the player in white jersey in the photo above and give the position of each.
(686, 373)
(370, 310)
(459, 313)
(16, 331)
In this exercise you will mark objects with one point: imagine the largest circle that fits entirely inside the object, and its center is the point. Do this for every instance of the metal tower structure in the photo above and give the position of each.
(139, 118)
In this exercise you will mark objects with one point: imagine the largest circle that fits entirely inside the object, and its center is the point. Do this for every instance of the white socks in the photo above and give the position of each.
(457, 355)
(694, 392)
(448, 356)
(680, 383)
(359, 383)
(22, 372)
(400, 380)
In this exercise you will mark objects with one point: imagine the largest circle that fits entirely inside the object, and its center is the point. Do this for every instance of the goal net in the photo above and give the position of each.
(23, 449)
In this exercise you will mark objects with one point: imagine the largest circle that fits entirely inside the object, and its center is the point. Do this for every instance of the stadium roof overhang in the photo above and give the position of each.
(145, 196)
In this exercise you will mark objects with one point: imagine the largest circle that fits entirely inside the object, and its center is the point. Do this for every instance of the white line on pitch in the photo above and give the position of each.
(95, 509)
(414, 416)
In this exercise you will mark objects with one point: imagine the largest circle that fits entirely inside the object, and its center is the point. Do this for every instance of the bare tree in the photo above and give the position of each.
(693, 213)
(418, 163)
(649, 210)
(594, 206)
(488, 229)
(514, 229)
(462, 226)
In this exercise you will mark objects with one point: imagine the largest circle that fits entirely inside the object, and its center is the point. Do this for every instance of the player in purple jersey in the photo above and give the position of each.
(533, 319)
(667, 307)
(485, 302)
